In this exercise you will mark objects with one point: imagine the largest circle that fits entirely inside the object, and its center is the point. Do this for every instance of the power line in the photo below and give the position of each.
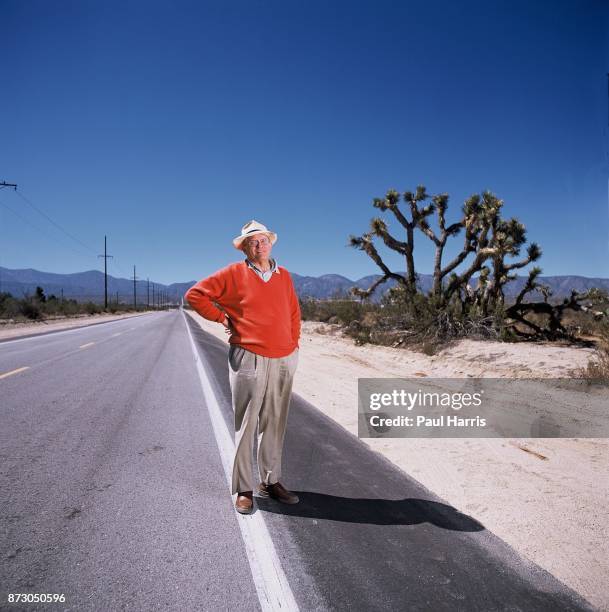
(28, 201)
(24, 219)
(120, 271)
(58, 226)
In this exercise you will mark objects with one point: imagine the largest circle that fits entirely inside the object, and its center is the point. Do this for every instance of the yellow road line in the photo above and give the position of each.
(14, 371)
(86, 345)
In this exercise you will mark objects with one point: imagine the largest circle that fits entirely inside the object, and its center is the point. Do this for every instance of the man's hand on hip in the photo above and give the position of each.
(228, 328)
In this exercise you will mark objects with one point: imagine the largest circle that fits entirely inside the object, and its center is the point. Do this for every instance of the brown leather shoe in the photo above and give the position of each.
(277, 491)
(244, 503)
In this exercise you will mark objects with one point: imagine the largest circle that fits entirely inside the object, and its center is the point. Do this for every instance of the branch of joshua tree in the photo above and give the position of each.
(420, 195)
(364, 293)
(520, 319)
(379, 228)
(470, 242)
(401, 218)
(441, 203)
(468, 248)
(481, 256)
(518, 311)
(390, 202)
(518, 264)
(530, 285)
(533, 254)
(364, 243)
(424, 227)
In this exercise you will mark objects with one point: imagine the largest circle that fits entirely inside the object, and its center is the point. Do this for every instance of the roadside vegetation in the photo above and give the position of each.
(467, 297)
(598, 365)
(39, 307)
(422, 328)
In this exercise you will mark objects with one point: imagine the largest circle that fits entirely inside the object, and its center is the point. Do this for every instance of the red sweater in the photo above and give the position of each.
(265, 316)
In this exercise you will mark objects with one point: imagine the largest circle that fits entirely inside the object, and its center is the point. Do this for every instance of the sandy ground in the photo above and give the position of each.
(18, 330)
(546, 497)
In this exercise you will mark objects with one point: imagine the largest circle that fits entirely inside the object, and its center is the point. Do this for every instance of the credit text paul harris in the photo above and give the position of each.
(376, 420)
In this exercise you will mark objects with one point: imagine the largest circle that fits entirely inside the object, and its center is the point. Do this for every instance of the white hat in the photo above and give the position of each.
(253, 227)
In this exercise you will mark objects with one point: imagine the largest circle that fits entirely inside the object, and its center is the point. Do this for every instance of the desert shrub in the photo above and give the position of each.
(9, 306)
(4, 297)
(420, 324)
(340, 311)
(30, 310)
(69, 307)
(598, 365)
(345, 310)
(35, 308)
(308, 309)
(92, 308)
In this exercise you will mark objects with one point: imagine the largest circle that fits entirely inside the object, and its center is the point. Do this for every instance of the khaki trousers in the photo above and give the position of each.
(261, 389)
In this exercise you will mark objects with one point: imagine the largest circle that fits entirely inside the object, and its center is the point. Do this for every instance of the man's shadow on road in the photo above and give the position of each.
(409, 511)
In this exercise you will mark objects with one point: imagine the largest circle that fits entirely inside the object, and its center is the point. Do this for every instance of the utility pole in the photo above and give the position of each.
(134, 290)
(117, 298)
(148, 295)
(105, 256)
(14, 186)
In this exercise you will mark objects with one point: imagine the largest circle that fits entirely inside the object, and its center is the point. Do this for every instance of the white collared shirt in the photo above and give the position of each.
(265, 276)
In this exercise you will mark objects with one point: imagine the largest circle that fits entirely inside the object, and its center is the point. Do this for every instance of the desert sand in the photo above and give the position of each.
(547, 498)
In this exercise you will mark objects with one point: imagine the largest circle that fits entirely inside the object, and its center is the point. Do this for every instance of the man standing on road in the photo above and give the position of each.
(259, 309)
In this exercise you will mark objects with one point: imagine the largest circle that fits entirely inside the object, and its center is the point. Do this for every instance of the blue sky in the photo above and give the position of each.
(168, 125)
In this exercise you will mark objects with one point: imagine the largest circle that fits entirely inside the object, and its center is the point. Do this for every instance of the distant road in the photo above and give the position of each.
(113, 493)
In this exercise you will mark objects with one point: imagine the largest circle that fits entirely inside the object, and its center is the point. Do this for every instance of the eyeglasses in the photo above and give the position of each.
(254, 243)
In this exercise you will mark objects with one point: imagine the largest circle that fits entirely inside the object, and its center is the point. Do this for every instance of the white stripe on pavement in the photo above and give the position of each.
(270, 581)
(7, 374)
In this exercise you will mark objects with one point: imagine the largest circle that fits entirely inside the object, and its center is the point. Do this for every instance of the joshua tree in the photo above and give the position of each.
(40, 294)
(487, 237)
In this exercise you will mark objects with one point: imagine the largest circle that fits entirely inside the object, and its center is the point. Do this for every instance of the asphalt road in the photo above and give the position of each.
(113, 493)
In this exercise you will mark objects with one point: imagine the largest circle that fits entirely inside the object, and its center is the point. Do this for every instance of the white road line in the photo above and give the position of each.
(273, 589)
(86, 345)
(14, 371)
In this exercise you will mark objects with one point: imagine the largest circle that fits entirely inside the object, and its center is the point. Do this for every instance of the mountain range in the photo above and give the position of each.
(89, 285)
